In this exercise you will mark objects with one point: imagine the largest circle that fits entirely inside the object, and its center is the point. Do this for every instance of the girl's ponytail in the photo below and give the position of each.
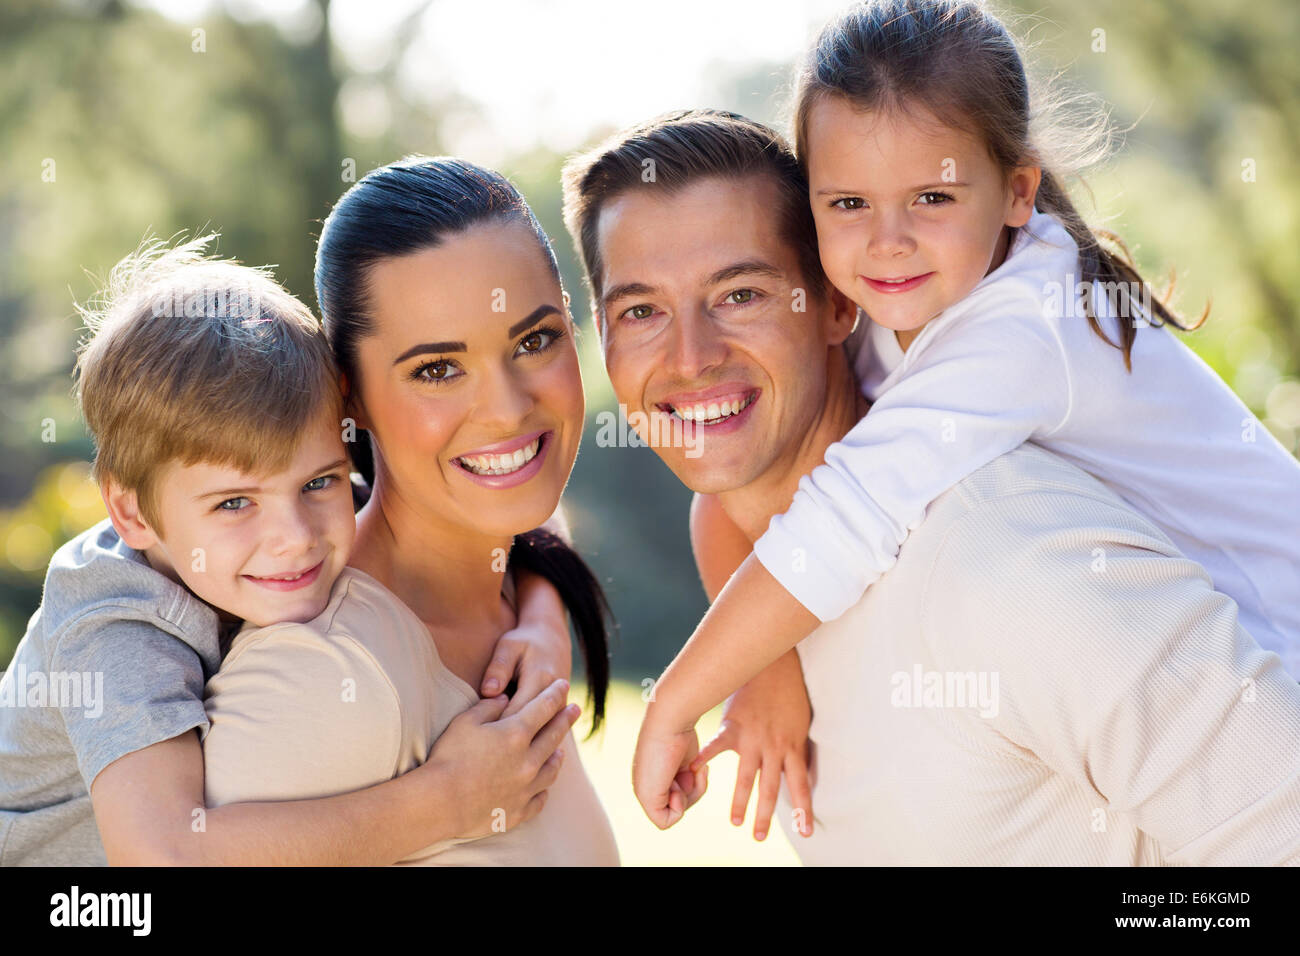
(1114, 269)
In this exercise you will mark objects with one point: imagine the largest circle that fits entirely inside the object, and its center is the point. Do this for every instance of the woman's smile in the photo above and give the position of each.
(508, 464)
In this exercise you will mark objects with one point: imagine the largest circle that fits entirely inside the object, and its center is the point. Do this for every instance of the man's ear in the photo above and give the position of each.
(1022, 190)
(843, 316)
(124, 511)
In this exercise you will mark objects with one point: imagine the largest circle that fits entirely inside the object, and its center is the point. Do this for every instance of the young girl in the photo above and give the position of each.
(997, 318)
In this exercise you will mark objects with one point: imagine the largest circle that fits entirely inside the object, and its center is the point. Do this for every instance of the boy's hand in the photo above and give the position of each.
(535, 653)
(501, 764)
(664, 784)
(766, 723)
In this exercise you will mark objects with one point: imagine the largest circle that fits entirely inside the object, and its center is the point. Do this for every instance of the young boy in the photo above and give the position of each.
(201, 382)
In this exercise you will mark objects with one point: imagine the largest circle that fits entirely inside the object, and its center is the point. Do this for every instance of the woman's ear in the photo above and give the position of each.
(352, 407)
(124, 511)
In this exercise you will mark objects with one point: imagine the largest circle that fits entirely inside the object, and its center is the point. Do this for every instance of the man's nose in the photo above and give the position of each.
(694, 345)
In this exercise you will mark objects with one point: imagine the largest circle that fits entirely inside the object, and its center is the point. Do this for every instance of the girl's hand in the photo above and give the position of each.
(664, 784)
(766, 723)
(536, 652)
(497, 767)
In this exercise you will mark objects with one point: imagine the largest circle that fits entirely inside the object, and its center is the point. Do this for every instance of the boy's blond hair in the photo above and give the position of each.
(190, 359)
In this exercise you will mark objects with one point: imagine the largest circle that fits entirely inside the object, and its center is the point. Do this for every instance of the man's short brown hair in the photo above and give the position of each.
(673, 151)
(195, 359)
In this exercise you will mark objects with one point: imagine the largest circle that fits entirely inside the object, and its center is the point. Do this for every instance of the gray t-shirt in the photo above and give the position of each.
(113, 661)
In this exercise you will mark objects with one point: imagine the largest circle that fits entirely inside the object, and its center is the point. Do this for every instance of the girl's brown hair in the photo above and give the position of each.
(956, 60)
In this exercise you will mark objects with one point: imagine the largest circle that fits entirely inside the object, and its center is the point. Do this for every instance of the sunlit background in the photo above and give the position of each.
(175, 115)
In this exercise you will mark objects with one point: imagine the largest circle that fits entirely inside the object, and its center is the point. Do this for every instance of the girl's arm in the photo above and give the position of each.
(975, 392)
(765, 722)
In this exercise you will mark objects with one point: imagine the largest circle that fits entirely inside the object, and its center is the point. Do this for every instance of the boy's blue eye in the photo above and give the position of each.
(222, 506)
(316, 483)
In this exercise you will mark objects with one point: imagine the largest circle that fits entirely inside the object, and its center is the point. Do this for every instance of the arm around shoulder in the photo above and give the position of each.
(297, 714)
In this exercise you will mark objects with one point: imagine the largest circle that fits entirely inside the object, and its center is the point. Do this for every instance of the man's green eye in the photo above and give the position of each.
(746, 295)
(639, 311)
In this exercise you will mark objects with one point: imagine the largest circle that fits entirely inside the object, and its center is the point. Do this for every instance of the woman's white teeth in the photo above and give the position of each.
(501, 464)
(712, 412)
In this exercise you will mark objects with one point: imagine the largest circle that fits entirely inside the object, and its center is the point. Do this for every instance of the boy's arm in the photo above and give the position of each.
(150, 805)
(765, 722)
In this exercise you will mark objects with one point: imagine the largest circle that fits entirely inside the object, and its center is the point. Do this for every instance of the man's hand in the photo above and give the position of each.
(766, 723)
(664, 784)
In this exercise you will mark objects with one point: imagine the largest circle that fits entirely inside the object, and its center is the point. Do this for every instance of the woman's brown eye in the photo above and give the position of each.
(536, 339)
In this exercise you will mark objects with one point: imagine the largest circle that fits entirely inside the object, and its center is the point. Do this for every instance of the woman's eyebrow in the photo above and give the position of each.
(415, 350)
(433, 347)
(534, 316)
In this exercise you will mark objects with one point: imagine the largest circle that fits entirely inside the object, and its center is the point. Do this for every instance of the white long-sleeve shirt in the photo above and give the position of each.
(1016, 361)
(998, 698)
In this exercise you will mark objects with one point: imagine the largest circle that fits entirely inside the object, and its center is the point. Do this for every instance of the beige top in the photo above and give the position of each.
(358, 696)
(1040, 679)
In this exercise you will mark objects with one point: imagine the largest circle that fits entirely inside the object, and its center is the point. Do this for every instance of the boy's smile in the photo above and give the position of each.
(265, 549)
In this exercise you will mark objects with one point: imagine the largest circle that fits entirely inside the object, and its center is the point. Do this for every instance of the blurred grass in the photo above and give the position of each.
(705, 836)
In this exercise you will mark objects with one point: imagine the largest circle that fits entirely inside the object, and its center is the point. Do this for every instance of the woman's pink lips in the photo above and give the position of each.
(530, 469)
(890, 287)
(302, 582)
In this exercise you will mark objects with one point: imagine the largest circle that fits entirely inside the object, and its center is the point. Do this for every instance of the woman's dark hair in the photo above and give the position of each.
(418, 203)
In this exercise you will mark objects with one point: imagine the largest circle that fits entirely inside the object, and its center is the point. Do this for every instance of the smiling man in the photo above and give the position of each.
(1041, 678)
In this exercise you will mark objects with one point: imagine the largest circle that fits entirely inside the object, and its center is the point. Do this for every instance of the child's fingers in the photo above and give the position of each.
(501, 669)
(701, 784)
(488, 709)
(723, 740)
(531, 682)
(769, 787)
(796, 778)
(744, 786)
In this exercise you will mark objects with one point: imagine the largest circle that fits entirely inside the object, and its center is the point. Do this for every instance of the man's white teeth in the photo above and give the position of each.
(501, 464)
(713, 412)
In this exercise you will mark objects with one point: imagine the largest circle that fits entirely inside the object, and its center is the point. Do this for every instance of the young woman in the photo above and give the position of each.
(442, 302)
